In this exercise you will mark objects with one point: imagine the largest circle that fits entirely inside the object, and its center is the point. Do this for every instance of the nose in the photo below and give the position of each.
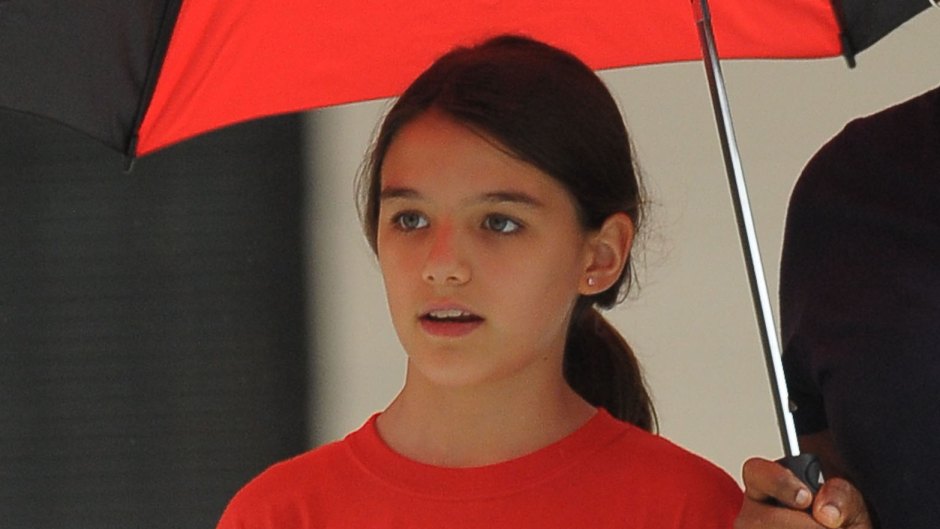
(445, 263)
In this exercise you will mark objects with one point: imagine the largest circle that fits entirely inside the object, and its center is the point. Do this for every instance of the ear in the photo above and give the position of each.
(607, 251)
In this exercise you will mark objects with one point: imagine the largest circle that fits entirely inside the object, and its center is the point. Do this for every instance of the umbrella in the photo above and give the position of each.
(143, 74)
(140, 75)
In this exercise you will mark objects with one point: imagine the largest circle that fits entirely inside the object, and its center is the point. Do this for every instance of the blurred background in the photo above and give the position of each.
(152, 324)
(167, 333)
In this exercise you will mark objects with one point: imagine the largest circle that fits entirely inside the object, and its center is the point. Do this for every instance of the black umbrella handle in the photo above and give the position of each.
(807, 469)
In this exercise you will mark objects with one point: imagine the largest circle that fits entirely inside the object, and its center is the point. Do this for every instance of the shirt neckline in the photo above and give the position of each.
(378, 460)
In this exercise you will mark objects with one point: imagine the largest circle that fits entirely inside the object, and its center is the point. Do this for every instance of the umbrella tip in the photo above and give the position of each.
(848, 51)
(129, 156)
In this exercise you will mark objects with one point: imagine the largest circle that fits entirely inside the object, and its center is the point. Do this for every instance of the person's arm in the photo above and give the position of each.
(837, 505)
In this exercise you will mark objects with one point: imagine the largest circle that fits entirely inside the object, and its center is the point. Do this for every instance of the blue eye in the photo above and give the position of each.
(409, 221)
(501, 224)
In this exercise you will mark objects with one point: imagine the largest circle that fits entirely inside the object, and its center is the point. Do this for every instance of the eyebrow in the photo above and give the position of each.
(512, 196)
(398, 192)
(515, 197)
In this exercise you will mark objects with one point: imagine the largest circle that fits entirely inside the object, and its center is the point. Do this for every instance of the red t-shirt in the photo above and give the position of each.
(606, 474)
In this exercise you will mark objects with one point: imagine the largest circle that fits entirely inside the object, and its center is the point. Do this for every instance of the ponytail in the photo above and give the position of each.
(602, 368)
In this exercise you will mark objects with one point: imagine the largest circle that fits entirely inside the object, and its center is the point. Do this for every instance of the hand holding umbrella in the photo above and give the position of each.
(837, 504)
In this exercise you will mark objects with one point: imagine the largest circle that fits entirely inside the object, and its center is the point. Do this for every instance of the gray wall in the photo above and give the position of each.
(151, 323)
(692, 322)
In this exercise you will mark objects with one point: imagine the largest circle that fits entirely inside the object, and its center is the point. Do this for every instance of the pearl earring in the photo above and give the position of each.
(591, 281)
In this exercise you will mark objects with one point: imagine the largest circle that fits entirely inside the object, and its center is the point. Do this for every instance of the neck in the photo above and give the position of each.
(466, 427)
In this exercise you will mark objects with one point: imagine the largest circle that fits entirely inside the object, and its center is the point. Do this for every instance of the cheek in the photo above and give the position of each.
(393, 253)
(397, 268)
(536, 308)
(538, 281)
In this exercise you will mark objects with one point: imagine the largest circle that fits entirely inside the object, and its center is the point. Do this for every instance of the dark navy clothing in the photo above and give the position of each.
(860, 306)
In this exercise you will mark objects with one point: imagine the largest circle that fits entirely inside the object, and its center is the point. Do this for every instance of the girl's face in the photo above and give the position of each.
(482, 255)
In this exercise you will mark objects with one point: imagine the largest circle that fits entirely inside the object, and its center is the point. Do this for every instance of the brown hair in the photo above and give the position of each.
(552, 111)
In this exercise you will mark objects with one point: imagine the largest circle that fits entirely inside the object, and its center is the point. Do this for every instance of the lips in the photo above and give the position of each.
(449, 322)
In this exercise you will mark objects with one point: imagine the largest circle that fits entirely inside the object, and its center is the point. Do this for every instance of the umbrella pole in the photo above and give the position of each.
(746, 231)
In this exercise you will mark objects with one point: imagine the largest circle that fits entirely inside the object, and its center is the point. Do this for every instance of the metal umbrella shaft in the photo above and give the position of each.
(746, 231)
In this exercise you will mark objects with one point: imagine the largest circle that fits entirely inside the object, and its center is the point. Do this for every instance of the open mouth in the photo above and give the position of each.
(451, 315)
(450, 323)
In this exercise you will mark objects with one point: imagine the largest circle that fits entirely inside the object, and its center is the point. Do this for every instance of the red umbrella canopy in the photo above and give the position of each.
(230, 61)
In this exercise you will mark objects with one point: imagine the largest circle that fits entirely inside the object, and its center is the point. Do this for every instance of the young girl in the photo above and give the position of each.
(501, 200)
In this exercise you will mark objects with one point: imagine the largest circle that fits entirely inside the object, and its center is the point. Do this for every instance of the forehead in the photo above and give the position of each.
(436, 155)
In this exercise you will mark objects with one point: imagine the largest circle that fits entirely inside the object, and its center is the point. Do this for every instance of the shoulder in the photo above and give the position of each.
(270, 499)
(918, 114)
(667, 482)
(666, 469)
(297, 470)
(878, 175)
(860, 152)
(672, 464)
(911, 118)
